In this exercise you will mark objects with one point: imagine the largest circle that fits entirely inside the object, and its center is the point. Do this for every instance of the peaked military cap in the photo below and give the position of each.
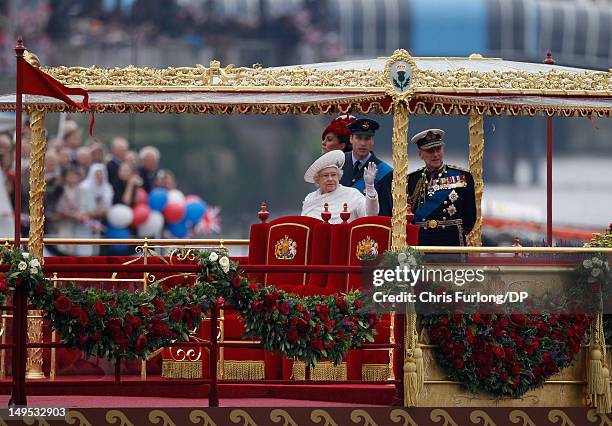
(363, 126)
(429, 138)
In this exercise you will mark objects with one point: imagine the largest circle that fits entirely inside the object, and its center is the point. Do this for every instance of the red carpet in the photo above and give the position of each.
(194, 393)
(78, 401)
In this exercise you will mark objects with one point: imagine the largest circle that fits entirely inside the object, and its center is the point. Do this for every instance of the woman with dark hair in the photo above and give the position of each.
(337, 135)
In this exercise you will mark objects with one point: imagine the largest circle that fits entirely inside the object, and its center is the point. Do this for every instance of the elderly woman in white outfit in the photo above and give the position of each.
(325, 173)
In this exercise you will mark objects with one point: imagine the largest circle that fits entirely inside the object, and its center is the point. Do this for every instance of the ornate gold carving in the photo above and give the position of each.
(359, 415)
(438, 414)
(199, 77)
(277, 415)
(160, 416)
(74, 415)
(237, 415)
(593, 416)
(197, 416)
(118, 416)
(513, 82)
(397, 415)
(556, 415)
(476, 128)
(516, 416)
(399, 144)
(40, 421)
(35, 245)
(319, 415)
(479, 416)
(37, 183)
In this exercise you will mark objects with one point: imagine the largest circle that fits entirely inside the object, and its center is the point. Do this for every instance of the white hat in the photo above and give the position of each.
(330, 159)
(429, 138)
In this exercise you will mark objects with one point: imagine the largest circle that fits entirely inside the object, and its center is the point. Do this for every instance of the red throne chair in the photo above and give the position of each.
(284, 241)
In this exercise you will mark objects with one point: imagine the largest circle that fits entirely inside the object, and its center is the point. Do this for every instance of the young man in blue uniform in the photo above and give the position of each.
(362, 140)
(442, 196)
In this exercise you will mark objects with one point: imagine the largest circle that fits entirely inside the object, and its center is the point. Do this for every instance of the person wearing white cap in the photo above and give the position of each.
(442, 196)
(325, 173)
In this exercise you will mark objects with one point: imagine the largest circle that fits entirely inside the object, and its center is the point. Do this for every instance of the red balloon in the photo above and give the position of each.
(141, 196)
(174, 212)
(141, 214)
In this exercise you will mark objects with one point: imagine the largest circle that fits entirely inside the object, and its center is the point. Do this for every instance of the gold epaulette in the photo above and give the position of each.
(457, 167)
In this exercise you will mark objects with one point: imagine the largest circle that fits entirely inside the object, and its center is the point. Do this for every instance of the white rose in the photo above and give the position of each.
(22, 266)
(34, 263)
(224, 262)
(25, 255)
(225, 269)
(595, 272)
(587, 264)
(401, 258)
(213, 257)
(34, 270)
(596, 261)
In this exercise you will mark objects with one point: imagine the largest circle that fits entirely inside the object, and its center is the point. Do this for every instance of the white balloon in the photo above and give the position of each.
(120, 216)
(153, 226)
(176, 196)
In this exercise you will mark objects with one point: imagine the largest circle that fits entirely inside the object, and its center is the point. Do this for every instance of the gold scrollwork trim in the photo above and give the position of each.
(201, 78)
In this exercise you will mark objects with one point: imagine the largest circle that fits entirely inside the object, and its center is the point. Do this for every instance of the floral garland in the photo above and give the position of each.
(503, 354)
(134, 324)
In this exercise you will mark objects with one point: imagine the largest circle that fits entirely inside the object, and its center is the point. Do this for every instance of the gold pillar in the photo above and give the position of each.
(37, 222)
(476, 128)
(399, 146)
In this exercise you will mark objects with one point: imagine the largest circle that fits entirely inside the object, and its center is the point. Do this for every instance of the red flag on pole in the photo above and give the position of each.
(36, 82)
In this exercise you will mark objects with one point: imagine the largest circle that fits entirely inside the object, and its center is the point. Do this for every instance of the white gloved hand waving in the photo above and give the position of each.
(369, 174)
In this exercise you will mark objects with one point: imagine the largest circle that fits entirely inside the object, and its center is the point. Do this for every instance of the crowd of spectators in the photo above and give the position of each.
(83, 181)
(55, 26)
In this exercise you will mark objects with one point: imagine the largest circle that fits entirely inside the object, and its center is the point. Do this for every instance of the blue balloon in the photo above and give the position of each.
(194, 211)
(158, 198)
(112, 232)
(179, 229)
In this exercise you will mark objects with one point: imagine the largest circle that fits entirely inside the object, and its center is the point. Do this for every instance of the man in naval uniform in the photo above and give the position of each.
(362, 139)
(442, 196)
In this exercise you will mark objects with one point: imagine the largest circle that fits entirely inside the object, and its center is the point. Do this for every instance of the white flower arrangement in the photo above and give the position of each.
(225, 264)
(34, 263)
(597, 269)
(25, 255)
(22, 266)
(213, 257)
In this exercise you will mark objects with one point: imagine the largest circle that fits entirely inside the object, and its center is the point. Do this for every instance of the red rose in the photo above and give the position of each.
(141, 341)
(307, 316)
(322, 311)
(159, 306)
(134, 321)
(257, 306)
(302, 326)
(292, 335)
(316, 343)
(283, 308)
(476, 317)
(516, 369)
(341, 302)
(330, 345)
(254, 286)
(4, 288)
(330, 324)
(99, 308)
(358, 303)
(63, 304)
(458, 363)
(112, 303)
(17, 282)
(504, 376)
(83, 340)
(300, 308)
(372, 320)
(270, 299)
(2, 276)
(236, 281)
(176, 315)
(144, 311)
(114, 323)
(498, 351)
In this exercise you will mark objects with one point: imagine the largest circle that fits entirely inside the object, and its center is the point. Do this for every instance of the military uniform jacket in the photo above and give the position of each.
(444, 205)
(384, 177)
